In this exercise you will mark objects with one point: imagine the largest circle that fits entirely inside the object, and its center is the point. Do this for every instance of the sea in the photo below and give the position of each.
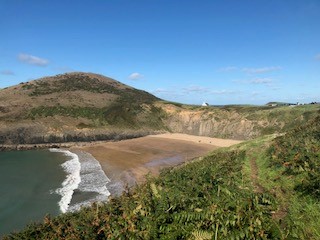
(37, 183)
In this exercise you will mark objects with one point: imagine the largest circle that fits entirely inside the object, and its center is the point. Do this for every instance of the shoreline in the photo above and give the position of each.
(127, 162)
(177, 136)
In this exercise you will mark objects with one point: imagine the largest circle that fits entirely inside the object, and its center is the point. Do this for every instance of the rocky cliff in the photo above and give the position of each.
(235, 122)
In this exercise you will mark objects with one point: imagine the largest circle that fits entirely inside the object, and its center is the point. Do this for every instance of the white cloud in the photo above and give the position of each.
(195, 89)
(135, 76)
(204, 90)
(167, 93)
(33, 60)
(261, 81)
(254, 81)
(261, 70)
(254, 94)
(162, 91)
(223, 92)
(7, 72)
(317, 57)
(228, 69)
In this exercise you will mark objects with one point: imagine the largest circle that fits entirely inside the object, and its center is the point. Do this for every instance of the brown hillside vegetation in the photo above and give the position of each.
(73, 107)
(84, 107)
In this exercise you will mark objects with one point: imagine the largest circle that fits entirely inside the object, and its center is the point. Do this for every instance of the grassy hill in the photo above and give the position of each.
(79, 106)
(267, 188)
(74, 107)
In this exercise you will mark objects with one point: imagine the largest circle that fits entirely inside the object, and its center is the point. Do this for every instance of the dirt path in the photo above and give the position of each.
(254, 175)
(282, 211)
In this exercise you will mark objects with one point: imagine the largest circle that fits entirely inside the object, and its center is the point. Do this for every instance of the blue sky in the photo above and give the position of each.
(219, 51)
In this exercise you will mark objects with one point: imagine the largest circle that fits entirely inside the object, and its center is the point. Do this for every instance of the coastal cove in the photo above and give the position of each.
(67, 178)
(28, 183)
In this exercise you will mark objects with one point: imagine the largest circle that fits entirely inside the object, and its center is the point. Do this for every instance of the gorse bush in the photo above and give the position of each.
(204, 199)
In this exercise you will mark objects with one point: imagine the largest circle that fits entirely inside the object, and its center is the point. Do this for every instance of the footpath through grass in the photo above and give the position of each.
(289, 169)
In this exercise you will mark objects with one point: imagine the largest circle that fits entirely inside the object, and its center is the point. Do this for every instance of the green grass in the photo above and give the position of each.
(289, 169)
(212, 197)
(120, 115)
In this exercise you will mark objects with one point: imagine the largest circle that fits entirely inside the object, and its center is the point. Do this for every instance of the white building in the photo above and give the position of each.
(204, 104)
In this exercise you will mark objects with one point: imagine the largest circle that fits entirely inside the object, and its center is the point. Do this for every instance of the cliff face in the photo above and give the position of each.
(235, 122)
(199, 124)
(232, 126)
(35, 134)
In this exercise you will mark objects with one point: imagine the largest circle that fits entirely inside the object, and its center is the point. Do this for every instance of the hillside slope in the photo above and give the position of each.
(74, 107)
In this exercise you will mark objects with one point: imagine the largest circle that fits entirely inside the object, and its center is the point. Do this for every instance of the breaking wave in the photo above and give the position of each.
(85, 182)
(72, 168)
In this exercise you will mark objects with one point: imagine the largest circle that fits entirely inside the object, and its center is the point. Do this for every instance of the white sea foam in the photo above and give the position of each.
(72, 167)
(93, 180)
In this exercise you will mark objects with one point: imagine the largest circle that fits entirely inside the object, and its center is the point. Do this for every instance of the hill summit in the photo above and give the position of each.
(73, 104)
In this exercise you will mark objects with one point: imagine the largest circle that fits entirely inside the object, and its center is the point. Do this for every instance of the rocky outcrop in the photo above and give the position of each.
(206, 124)
(33, 137)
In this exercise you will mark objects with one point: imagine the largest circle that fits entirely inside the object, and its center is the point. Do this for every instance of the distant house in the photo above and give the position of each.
(272, 104)
(204, 104)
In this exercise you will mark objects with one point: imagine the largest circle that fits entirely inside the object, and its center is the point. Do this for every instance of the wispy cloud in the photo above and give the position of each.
(228, 69)
(162, 91)
(7, 72)
(261, 81)
(32, 60)
(195, 89)
(255, 93)
(222, 92)
(204, 90)
(135, 76)
(261, 70)
(317, 57)
(255, 81)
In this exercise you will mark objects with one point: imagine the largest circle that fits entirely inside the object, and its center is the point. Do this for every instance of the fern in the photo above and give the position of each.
(154, 190)
(201, 235)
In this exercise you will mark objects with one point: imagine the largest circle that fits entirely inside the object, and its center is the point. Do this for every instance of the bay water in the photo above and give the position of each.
(36, 183)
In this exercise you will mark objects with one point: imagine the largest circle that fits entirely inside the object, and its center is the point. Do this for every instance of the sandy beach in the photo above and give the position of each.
(128, 161)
